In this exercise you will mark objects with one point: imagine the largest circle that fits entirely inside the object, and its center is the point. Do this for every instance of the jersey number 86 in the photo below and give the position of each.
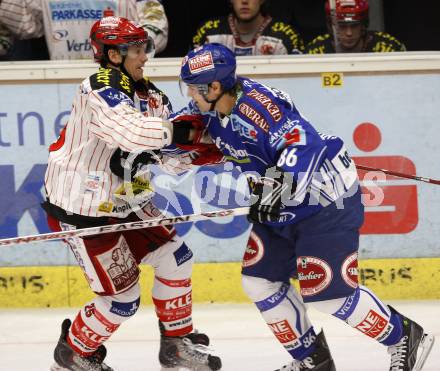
(288, 157)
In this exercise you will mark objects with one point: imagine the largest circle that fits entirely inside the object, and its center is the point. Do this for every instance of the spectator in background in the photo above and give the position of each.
(66, 25)
(250, 30)
(352, 34)
(5, 43)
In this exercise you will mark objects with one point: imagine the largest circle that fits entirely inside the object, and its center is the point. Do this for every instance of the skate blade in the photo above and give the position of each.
(423, 351)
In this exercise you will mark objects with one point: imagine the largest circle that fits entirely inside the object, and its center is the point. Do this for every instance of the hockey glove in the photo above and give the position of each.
(266, 198)
(201, 147)
(122, 164)
(188, 129)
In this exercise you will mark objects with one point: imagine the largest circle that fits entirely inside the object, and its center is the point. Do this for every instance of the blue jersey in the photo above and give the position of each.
(265, 130)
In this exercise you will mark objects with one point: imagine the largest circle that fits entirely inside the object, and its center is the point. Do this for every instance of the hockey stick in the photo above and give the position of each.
(125, 226)
(400, 175)
(172, 220)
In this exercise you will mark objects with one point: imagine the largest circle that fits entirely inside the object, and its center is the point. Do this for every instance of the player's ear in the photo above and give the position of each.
(216, 86)
(114, 56)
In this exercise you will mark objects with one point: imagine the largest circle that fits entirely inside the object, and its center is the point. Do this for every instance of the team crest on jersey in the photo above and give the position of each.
(314, 275)
(254, 250)
(202, 62)
(349, 270)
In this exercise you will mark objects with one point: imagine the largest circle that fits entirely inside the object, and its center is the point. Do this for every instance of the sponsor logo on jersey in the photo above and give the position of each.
(373, 324)
(285, 334)
(254, 250)
(92, 183)
(76, 14)
(254, 116)
(114, 97)
(288, 137)
(314, 275)
(287, 126)
(267, 103)
(236, 155)
(349, 270)
(246, 130)
(202, 62)
(182, 254)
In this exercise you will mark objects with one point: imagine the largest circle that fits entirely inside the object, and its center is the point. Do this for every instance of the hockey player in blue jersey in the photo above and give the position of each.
(306, 211)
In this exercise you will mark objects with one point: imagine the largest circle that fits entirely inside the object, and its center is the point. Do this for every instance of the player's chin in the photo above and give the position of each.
(348, 44)
(139, 73)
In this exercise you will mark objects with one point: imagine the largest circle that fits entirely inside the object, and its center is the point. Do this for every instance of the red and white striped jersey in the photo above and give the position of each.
(106, 116)
(66, 24)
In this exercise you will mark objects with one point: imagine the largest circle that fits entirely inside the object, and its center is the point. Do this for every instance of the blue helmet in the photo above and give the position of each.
(208, 63)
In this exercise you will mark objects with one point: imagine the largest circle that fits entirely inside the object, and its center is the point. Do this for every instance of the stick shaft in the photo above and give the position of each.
(125, 226)
(172, 220)
(400, 175)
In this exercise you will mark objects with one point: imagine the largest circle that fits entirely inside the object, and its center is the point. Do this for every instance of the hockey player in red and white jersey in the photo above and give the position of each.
(66, 24)
(116, 113)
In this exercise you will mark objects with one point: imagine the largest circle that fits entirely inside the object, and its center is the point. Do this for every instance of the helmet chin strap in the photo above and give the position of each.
(121, 65)
(213, 101)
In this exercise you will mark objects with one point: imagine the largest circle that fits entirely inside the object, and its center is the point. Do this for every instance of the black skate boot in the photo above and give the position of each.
(66, 359)
(320, 360)
(410, 353)
(188, 351)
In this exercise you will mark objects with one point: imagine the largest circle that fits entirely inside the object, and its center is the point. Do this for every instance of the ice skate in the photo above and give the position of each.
(66, 359)
(320, 360)
(410, 353)
(188, 351)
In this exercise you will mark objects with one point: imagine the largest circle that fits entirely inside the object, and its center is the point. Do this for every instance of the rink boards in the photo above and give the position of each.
(385, 107)
(212, 283)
